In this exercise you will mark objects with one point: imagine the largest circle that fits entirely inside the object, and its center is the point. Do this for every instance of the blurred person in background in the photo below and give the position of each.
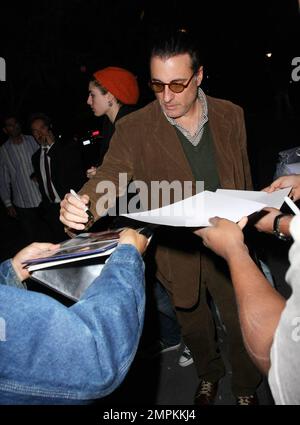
(58, 167)
(19, 189)
(113, 93)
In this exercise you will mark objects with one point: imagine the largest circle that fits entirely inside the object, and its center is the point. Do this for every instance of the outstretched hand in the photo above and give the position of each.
(224, 237)
(31, 251)
(265, 224)
(130, 236)
(286, 181)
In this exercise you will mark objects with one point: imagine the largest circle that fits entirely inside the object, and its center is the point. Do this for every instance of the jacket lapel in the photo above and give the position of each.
(55, 157)
(167, 140)
(170, 146)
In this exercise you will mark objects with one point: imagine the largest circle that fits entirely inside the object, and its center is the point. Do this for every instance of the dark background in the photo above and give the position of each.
(51, 48)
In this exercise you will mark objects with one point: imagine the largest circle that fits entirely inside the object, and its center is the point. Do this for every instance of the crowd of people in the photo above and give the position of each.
(184, 135)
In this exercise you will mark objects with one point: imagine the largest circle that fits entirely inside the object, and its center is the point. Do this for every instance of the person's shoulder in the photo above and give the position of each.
(223, 105)
(125, 110)
(30, 139)
(5, 147)
(2, 146)
(6, 143)
(36, 154)
(140, 116)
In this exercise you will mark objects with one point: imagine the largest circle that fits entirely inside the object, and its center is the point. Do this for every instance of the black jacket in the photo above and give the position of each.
(66, 166)
(94, 153)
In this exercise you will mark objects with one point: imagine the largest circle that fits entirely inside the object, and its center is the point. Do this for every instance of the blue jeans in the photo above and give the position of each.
(168, 326)
(51, 354)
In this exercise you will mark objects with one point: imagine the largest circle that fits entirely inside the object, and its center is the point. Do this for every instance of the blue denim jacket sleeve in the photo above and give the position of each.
(56, 354)
(8, 276)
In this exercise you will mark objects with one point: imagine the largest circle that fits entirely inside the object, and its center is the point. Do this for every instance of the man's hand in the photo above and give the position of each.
(11, 211)
(225, 238)
(33, 250)
(72, 212)
(130, 236)
(265, 224)
(286, 181)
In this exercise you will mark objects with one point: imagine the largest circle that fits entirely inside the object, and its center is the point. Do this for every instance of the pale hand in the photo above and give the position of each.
(91, 172)
(72, 211)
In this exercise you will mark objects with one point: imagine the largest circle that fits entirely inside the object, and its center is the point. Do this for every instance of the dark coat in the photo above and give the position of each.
(67, 168)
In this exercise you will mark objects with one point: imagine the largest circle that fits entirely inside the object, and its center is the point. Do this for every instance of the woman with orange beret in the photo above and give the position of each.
(113, 92)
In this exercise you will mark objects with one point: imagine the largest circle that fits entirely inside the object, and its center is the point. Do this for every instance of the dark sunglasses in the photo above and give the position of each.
(159, 87)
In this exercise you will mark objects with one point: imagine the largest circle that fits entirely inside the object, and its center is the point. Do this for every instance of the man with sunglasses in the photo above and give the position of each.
(183, 136)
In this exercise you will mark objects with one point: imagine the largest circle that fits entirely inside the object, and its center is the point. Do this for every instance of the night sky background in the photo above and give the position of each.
(51, 48)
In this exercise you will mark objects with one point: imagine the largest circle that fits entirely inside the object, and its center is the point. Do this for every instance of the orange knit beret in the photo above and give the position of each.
(119, 82)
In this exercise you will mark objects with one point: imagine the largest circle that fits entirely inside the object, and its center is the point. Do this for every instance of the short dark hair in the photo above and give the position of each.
(40, 116)
(102, 89)
(178, 42)
(7, 117)
(98, 85)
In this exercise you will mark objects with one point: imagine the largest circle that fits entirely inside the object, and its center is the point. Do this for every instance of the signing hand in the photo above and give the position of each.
(72, 212)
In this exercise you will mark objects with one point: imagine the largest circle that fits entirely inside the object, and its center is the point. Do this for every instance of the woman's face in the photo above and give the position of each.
(97, 101)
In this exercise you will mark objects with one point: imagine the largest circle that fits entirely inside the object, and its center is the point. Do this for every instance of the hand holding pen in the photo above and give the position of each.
(91, 218)
(75, 214)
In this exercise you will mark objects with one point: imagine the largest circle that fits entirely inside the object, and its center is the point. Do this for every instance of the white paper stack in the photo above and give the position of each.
(198, 209)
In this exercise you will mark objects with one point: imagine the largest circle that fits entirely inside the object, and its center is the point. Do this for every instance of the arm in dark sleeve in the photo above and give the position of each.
(35, 160)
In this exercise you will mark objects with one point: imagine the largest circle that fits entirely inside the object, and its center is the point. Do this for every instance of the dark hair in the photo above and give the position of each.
(40, 116)
(102, 89)
(7, 117)
(98, 85)
(173, 43)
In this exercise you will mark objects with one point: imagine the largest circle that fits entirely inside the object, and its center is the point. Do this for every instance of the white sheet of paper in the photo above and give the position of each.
(197, 210)
(274, 199)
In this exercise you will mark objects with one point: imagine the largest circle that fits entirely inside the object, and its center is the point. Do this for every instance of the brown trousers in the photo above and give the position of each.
(198, 330)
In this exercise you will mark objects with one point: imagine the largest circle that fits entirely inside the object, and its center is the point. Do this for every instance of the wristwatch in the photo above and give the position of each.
(276, 230)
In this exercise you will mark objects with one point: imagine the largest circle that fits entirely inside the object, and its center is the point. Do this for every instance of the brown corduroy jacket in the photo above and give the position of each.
(147, 148)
